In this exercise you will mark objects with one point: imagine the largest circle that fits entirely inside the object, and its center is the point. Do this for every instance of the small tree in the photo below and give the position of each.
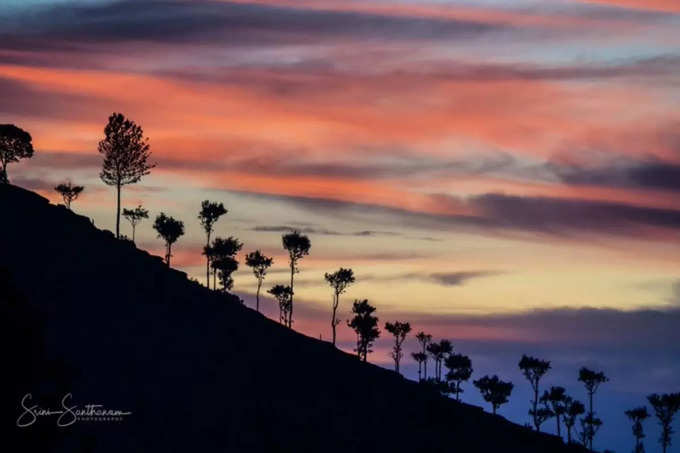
(135, 216)
(222, 253)
(170, 230)
(665, 407)
(439, 351)
(298, 246)
(339, 281)
(424, 340)
(572, 410)
(259, 263)
(126, 156)
(283, 295)
(460, 370)
(419, 357)
(15, 144)
(534, 369)
(637, 416)
(590, 425)
(209, 215)
(400, 330)
(556, 399)
(494, 391)
(366, 327)
(69, 192)
(592, 381)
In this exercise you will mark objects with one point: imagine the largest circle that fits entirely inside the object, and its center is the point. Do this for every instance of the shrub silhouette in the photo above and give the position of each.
(339, 281)
(637, 416)
(208, 216)
(222, 253)
(494, 391)
(460, 370)
(135, 216)
(556, 398)
(665, 407)
(439, 351)
(592, 381)
(283, 296)
(572, 410)
(399, 330)
(259, 263)
(15, 144)
(170, 230)
(424, 340)
(366, 327)
(298, 246)
(534, 369)
(126, 154)
(69, 192)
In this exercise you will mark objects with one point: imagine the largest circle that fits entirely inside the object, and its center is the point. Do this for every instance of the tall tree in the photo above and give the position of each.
(170, 230)
(69, 192)
(365, 324)
(637, 416)
(339, 281)
(15, 144)
(494, 391)
(592, 381)
(439, 351)
(556, 399)
(534, 369)
(298, 246)
(420, 358)
(259, 263)
(399, 330)
(283, 295)
(135, 216)
(424, 340)
(665, 407)
(208, 216)
(222, 253)
(126, 156)
(572, 410)
(460, 370)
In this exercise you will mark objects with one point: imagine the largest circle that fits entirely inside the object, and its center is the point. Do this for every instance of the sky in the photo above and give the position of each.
(504, 174)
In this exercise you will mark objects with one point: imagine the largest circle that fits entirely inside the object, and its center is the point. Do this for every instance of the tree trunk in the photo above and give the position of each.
(290, 312)
(118, 212)
(257, 295)
(3, 174)
(335, 307)
(494, 409)
(169, 253)
(590, 430)
(207, 263)
(535, 404)
(559, 434)
(133, 232)
(568, 434)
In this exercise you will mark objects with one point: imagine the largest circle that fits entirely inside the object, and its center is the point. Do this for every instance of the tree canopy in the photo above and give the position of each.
(15, 144)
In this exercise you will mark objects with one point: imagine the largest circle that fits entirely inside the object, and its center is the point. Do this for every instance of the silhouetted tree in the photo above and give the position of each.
(439, 351)
(298, 246)
(15, 144)
(590, 425)
(460, 370)
(572, 410)
(69, 192)
(637, 416)
(222, 253)
(283, 295)
(259, 263)
(135, 216)
(534, 369)
(543, 412)
(339, 281)
(126, 154)
(400, 330)
(419, 357)
(556, 397)
(424, 340)
(665, 407)
(494, 391)
(592, 381)
(208, 216)
(366, 327)
(170, 230)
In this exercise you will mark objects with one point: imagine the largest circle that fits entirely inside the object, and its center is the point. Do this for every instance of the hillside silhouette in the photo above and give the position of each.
(87, 314)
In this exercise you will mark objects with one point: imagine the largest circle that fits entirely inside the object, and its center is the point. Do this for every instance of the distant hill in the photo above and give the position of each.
(87, 314)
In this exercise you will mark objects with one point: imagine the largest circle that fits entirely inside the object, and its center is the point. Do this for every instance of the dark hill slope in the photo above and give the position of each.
(87, 314)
